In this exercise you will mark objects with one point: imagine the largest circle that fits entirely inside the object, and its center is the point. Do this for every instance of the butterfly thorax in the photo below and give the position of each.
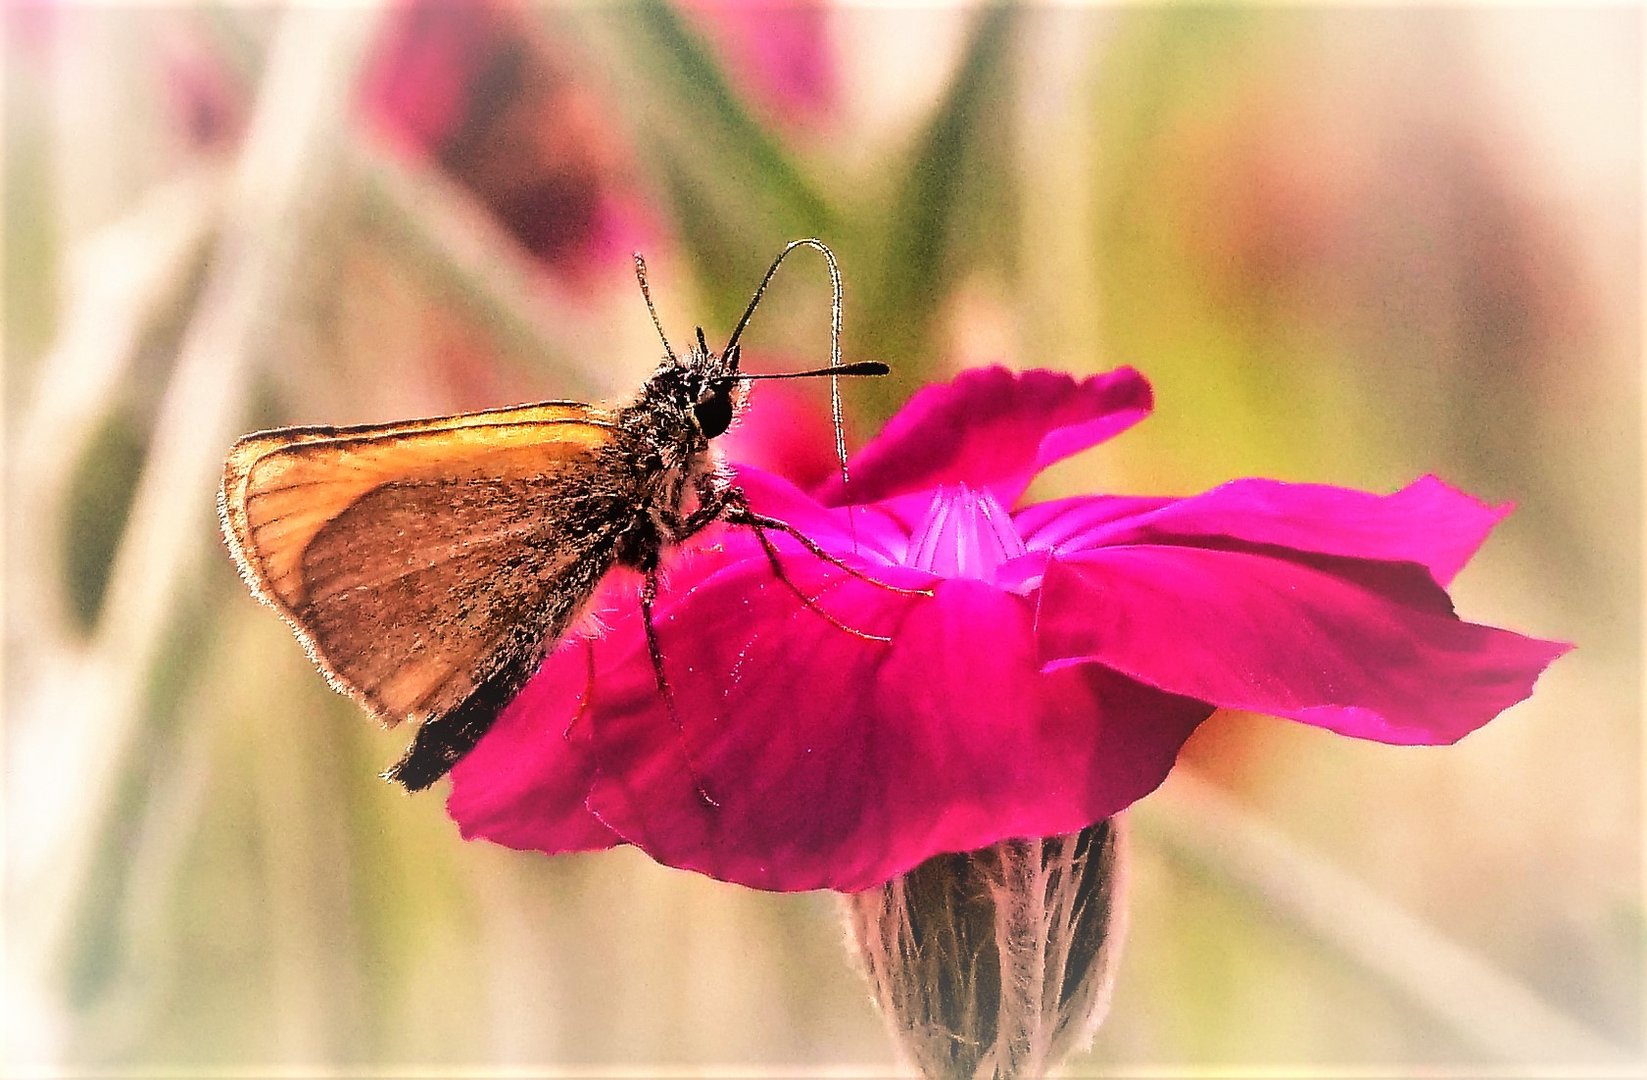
(663, 442)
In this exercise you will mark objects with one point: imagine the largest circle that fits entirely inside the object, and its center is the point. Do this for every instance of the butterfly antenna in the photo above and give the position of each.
(835, 294)
(646, 294)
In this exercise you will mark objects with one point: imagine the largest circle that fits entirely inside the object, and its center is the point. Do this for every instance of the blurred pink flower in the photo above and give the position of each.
(1067, 651)
(473, 88)
(206, 101)
(778, 52)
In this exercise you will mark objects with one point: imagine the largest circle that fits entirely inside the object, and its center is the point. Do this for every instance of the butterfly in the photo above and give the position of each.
(428, 566)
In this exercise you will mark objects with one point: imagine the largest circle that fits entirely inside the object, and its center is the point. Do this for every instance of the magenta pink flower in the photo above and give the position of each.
(1066, 651)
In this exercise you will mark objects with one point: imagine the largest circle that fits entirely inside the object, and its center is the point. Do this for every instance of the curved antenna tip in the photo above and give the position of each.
(646, 294)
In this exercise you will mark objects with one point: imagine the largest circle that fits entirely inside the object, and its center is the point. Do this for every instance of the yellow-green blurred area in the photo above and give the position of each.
(1348, 245)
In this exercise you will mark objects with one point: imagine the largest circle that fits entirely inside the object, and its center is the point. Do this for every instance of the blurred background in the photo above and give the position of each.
(1347, 245)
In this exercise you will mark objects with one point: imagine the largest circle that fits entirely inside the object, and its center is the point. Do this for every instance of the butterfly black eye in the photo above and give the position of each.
(714, 412)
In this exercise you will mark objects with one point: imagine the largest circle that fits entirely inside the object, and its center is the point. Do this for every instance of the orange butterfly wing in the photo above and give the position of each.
(406, 556)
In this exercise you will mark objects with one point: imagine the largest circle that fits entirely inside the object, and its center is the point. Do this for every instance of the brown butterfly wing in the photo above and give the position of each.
(412, 559)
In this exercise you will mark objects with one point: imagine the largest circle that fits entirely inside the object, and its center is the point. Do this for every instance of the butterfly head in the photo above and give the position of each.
(708, 387)
(711, 387)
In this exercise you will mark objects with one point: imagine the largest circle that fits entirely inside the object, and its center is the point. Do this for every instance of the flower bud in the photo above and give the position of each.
(998, 962)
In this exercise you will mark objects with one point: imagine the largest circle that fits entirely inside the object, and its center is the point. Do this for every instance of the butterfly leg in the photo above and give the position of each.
(648, 599)
(588, 696)
(809, 602)
(728, 504)
(735, 510)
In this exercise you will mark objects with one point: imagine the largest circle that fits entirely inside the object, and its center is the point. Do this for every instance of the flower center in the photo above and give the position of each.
(964, 533)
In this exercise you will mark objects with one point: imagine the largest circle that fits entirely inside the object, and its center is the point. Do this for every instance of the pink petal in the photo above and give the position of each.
(1362, 648)
(1426, 522)
(866, 529)
(993, 429)
(1081, 522)
(524, 784)
(839, 762)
